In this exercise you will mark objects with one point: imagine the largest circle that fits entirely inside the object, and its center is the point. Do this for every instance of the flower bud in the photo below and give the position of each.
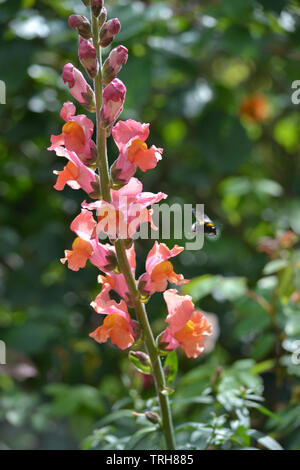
(113, 63)
(141, 361)
(113, 100)
(97, 7)
(81, 23)
(108, 31)
(102, 17)
(144, 294)
(86, 2)
(152, 417)
(88, 57)
(78, 87)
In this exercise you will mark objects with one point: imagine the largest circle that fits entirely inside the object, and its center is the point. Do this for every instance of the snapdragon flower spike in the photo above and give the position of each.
(78, 86)
(88, 56)
(108, 31)
(113, 100)
(82, 24)
(76, 135)
(187, 328)
(130, 137)
(159, 270)
(113, 63)
(86, 245)
(128, 210)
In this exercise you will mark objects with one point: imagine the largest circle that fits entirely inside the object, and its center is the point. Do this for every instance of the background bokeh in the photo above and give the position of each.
(214, 79)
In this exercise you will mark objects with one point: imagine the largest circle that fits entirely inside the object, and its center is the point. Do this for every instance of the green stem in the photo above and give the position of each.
(102, 161)
(158, 374)
(125, 269)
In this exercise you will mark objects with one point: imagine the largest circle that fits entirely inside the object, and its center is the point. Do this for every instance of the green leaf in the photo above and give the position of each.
(116, 416)
(171, 363)
(274, 266)
(269, 443)
(140, 435)
(262, 367)
(286, 132)
(250, 324)
(263, 345)
(285, 286)
(268, 413)
(230, 288)
(266, 441)
(265, 186)
(200, 286)
(222, 288)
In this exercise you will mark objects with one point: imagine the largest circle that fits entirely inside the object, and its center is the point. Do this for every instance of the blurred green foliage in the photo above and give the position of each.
(191, 66)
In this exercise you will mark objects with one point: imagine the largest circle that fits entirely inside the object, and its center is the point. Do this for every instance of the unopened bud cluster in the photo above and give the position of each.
(89, 39)
(108, 28)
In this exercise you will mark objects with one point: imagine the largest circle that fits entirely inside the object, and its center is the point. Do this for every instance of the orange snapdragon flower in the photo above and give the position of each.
(187, 327)
(117, 325)
(159, 271)
(191, 337)
(78, 256)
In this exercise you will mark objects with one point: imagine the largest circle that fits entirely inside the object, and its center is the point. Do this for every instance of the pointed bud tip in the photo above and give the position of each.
(97, 7)
(109, 31)
(82, 24)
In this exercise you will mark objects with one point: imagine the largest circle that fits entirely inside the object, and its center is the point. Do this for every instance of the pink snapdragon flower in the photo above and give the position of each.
(75, 174)
(130, 138)
(113, 63)
(86, 245)
(159, 271)
(76, 135)
(187, 327)
(127, 212)
(79, 87)
(113, 100)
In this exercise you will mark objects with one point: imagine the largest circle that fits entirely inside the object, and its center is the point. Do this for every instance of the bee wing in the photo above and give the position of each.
(202, 216)
(207, 219)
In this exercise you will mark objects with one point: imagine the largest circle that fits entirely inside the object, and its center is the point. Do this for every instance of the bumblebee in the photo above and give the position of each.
(209, 226)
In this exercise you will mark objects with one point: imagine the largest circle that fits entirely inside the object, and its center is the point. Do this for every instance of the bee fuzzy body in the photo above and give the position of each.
(208, 226)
